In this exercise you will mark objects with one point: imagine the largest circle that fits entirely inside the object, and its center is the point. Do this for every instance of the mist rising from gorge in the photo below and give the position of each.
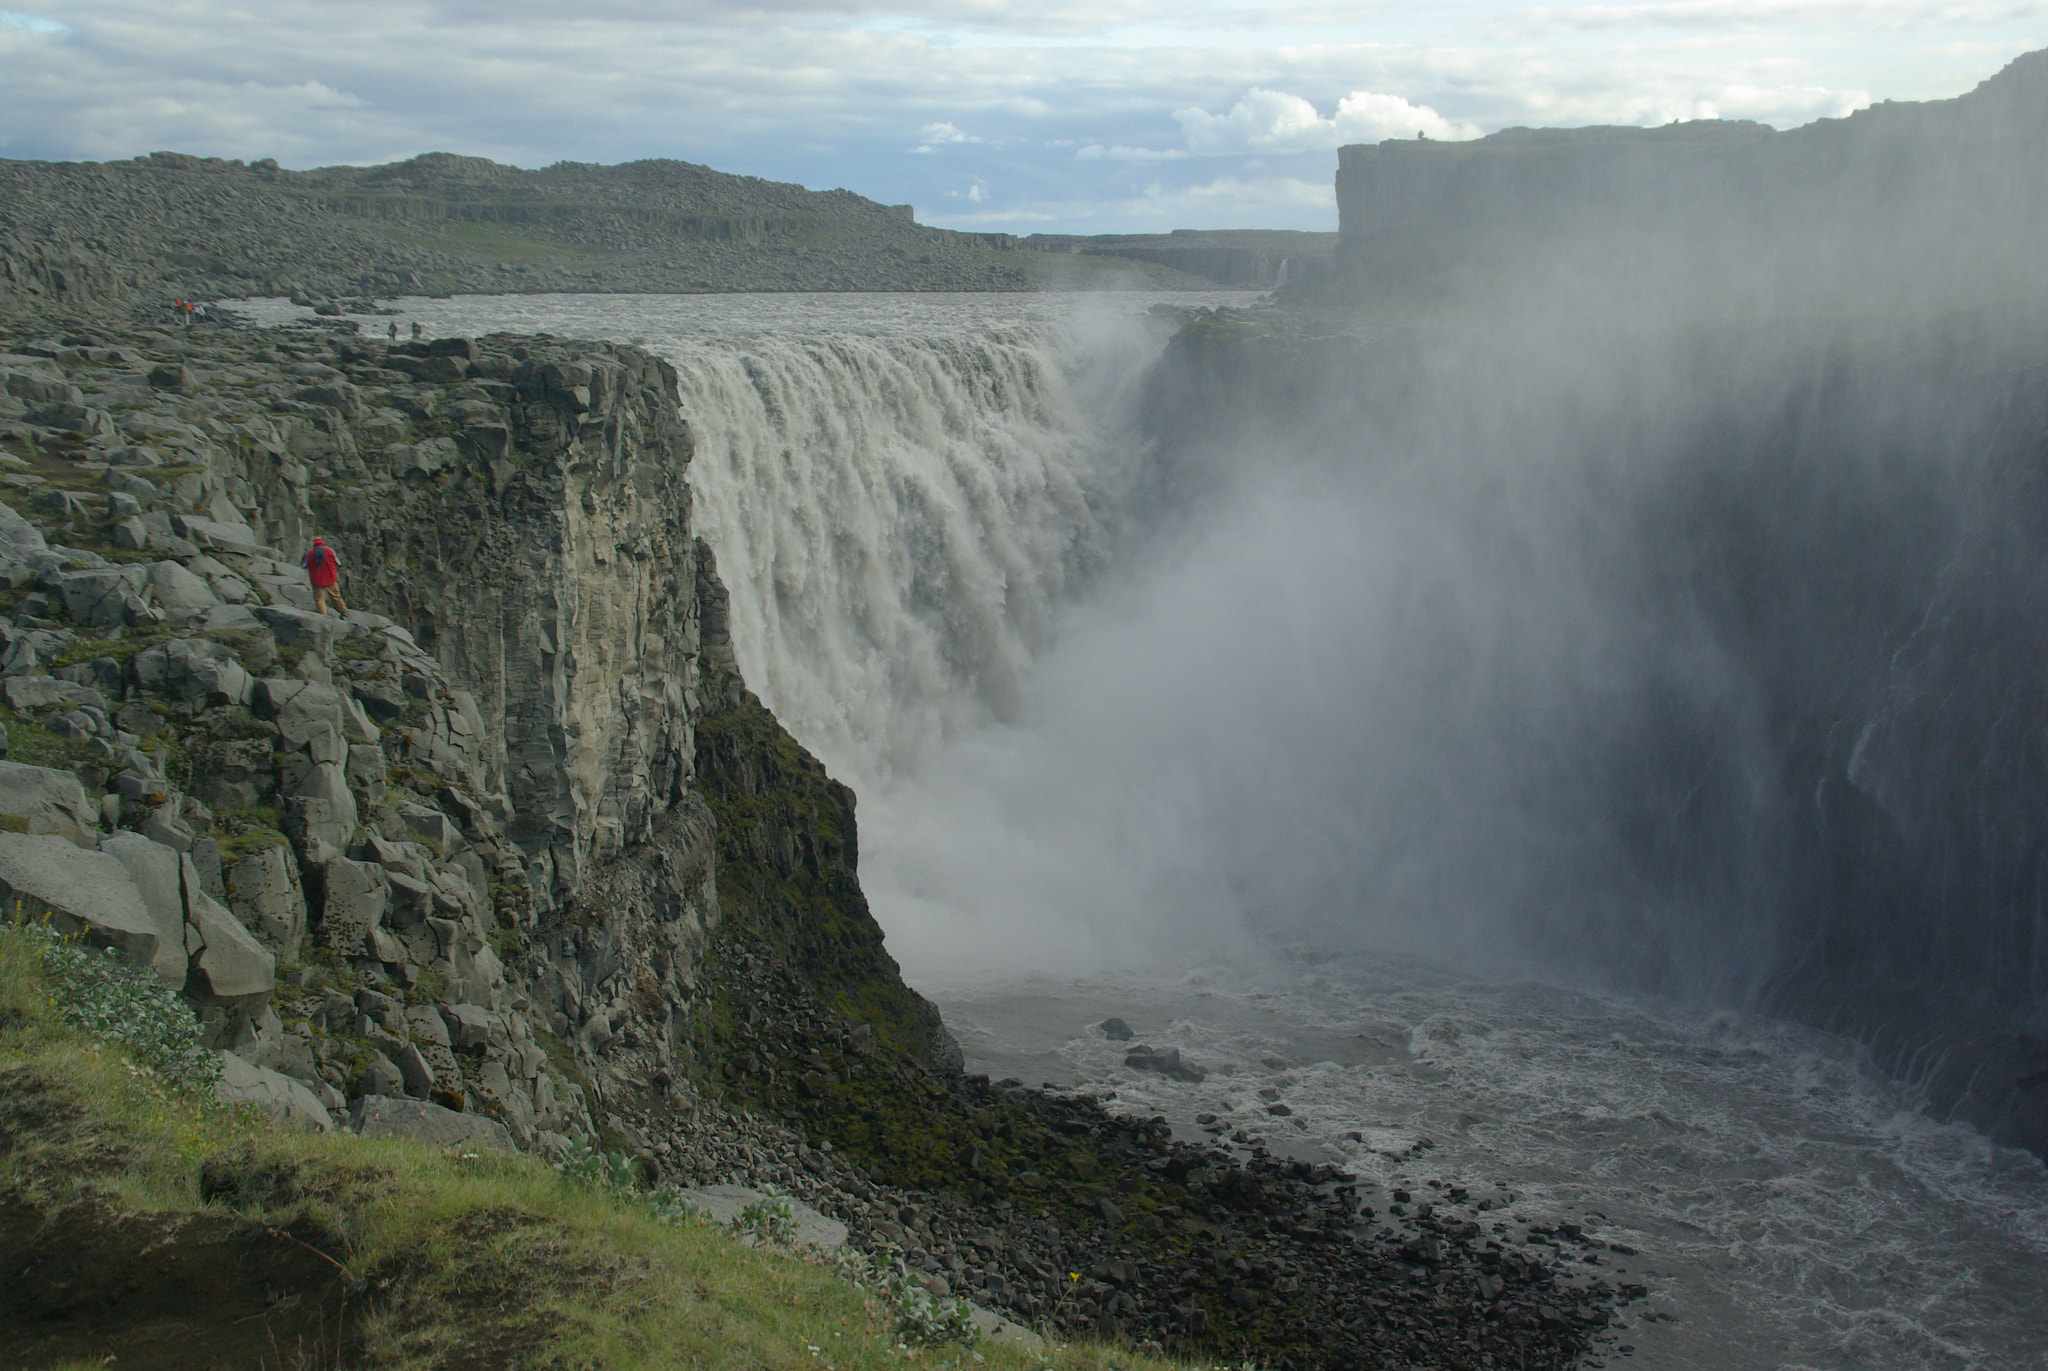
(1651, 614)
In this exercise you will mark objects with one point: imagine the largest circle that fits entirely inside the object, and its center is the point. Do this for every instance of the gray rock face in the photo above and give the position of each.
(18, 535)
(88, 892)
(354, 898)
(155, 870)
(232, 965)
(303, 628)
(48, 801)
(274, 1093)
(264, 892)
(100, 597)
(178, 593)
(379, 1116)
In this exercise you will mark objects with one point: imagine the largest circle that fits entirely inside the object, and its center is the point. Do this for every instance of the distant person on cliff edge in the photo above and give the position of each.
(323, 568)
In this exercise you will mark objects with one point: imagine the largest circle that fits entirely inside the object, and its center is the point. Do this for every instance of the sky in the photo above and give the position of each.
(1111, 116)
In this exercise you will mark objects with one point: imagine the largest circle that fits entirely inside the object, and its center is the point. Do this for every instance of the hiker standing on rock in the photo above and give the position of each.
(323, 568)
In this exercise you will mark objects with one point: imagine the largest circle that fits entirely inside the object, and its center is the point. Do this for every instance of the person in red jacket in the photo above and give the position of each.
(323, 568)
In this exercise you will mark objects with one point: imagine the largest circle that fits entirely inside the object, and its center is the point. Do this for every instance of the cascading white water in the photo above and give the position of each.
(898, 519)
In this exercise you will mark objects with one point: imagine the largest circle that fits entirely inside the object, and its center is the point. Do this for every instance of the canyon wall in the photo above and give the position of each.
(457, 838)
(1704, 662)
(1895, 202)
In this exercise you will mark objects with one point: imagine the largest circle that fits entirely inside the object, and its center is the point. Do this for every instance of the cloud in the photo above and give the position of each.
(936, 136)
(1096, 152)
(308, 94)
(1273, 121)
(31, 23)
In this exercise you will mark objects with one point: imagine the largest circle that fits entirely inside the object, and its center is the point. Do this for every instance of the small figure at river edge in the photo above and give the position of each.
(323, 568)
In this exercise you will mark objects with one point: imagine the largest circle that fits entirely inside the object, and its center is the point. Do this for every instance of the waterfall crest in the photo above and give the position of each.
(899, 517)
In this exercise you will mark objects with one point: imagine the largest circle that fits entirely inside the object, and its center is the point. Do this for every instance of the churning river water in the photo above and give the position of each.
(921, 504)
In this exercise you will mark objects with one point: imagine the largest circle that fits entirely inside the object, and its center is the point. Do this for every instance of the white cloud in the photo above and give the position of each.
(309, 94)
(1096, 152)
(936, 136)
(1273, 121)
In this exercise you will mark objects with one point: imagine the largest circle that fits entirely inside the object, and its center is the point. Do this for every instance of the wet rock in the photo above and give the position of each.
(1116, 1030)
(1166, 1061)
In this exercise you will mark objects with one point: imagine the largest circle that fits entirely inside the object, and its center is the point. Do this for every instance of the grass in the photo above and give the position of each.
(30, 744)
(330, 1250)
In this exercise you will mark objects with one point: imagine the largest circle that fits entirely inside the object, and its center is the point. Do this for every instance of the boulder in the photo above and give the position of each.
(302, 628)
(321, 827)
(354, 896)
(48, 801)
(179, 594)
(1165, 1060)
(214, 534)
(154, 869)
(85, 892)
(37, 382)
(45, 692)
(17, 534)
(229, 616)
(277, 1095)
(302, 708)
(469, 1026)
(381, 1116)
(100, 596)
(264, 893)
(231, 963)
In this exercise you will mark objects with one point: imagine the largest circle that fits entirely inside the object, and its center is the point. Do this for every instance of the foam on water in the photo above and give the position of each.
(1789, 1206)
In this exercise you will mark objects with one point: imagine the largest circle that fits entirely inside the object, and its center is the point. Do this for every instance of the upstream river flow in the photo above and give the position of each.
(908, 495)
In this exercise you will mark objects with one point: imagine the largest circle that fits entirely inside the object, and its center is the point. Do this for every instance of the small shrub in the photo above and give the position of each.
(922, 1318)
(769, 1221)
(95, 992)
(613, 1172)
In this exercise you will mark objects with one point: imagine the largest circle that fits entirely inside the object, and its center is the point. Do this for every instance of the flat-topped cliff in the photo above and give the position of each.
(88, 235)
(1895, 200)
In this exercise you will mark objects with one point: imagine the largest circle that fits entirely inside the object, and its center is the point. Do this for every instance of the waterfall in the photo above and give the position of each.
(900, 515)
